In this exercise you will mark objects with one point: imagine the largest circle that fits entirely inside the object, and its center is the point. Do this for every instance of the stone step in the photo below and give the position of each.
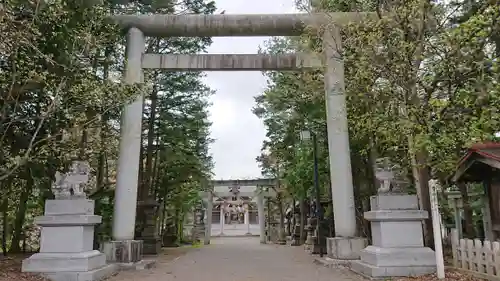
(98, 274)
(64, 262)
(382, 273)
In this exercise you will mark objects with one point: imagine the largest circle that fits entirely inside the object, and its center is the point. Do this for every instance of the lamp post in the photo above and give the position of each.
(305, 136)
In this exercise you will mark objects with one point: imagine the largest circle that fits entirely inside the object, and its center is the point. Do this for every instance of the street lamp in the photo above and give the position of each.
(306, 136)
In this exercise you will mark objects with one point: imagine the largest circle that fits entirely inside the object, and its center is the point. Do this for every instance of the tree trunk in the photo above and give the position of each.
(148, 172)
(303, 209)
(282, 219)
(331, 222)
(156, 174)
(421, 174)
(358, 205)
(372, 185)
(140, 179)
(163, 216)
(294, 222)
(176, 224)
(468, 217)
(102, 171)
(418, 155)
(5, 223)
(21, 214)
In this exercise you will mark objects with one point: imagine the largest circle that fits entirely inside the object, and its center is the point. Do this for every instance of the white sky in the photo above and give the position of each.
(237, 132)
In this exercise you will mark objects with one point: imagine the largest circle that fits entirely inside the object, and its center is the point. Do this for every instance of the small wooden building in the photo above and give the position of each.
(481, 164)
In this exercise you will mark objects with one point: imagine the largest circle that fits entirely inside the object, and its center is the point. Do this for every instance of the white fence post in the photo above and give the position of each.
(436, 227)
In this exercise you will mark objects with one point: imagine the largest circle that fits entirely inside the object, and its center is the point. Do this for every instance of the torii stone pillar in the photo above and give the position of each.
(344, 245)
(123, 249)
(262, 218)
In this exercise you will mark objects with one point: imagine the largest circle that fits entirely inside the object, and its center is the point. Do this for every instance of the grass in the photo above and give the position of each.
(197, 245)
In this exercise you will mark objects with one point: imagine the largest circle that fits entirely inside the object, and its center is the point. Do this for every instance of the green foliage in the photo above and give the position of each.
(60, 63)
(421, 85)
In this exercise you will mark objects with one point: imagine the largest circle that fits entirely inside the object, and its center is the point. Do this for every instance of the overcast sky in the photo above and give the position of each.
(237, 132)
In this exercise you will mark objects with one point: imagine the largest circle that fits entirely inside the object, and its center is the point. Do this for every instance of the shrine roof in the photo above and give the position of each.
(478, 163)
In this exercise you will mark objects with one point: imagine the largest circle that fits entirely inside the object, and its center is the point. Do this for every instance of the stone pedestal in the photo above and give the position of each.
(345, 248)
(397, 237)
(310, 228)
(148, 232)
(127, 251)
(127, 254)
(296, 232)
(66, 244)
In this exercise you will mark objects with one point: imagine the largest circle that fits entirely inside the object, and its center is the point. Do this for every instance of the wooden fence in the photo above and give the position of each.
(476, 256)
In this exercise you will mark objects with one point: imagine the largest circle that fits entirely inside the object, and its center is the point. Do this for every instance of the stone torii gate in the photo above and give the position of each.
(139, 26)
(208, 198)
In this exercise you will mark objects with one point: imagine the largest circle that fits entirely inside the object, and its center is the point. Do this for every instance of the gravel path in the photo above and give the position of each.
(239, 259)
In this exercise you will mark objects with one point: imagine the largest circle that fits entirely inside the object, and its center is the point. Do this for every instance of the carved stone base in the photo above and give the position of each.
(55, 262)
(345, 248)
(99, 274)
(127, 251)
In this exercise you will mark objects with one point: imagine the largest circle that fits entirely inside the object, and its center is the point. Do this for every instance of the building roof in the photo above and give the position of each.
(478, 163)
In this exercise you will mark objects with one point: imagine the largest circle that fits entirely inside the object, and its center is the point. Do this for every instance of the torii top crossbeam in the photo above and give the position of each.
(194, 25)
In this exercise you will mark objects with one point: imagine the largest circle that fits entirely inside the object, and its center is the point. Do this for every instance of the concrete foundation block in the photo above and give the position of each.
(93, 275)
(383, 272)
(345, 248)
(126, 251)
(64, 262)
(409, 257)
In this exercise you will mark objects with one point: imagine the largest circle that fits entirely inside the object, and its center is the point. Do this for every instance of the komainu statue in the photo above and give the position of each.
(74, 183)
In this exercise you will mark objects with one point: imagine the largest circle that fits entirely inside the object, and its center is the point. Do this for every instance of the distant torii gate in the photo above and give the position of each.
(194, 25)
(208, 198)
